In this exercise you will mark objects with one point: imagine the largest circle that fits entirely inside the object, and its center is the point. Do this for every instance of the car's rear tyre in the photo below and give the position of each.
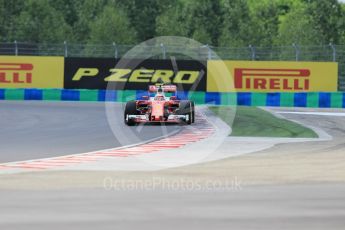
(193, 111)
(186, 109)
(130, 109)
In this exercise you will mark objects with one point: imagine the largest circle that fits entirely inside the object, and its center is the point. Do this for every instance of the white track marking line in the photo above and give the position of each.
(335, 114)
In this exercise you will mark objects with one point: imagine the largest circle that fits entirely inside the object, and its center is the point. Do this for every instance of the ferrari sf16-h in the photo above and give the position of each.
(159, 108)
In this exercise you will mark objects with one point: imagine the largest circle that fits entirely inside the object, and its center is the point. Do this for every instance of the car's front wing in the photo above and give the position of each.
(171, 118)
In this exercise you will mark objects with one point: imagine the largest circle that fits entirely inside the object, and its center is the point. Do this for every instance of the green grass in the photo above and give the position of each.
(255, 122)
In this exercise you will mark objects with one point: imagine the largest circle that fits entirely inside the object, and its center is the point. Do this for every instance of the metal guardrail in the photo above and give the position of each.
(331, 52)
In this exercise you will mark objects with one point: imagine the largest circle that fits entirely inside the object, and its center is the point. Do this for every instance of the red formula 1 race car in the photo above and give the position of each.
(159, 108)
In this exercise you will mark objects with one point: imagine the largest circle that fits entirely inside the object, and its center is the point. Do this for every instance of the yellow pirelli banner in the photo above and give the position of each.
(31, 72)
(268, 76)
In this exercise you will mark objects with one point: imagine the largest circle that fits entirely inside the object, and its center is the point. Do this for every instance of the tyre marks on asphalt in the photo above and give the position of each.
(200, 130)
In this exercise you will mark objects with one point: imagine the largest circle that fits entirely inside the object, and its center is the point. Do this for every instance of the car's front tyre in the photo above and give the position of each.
(185, 108)
(130, 109)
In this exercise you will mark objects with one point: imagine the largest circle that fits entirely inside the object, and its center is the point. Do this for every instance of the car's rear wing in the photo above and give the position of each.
(166, 88)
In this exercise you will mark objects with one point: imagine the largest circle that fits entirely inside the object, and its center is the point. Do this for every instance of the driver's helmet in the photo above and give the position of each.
(160, 90)
(159, 98)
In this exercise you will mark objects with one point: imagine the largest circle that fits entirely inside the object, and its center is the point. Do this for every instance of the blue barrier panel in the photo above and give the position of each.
(212, 98)
(273, 99)
(300, 100)
(101, 95)
(182, 95)
(69, 95)
(324, 100)
(343, 100)
(140, 93)
(110, 95)
(33, 94)
(244, 99)
(2, 94)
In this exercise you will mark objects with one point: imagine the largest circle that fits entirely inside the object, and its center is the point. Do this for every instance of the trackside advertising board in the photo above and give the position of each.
(109, 73)
(189, 75)
(264, 76)
(31, 72)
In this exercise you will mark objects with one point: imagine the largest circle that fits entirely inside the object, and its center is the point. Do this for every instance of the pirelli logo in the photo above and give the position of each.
(16, 73)
(271, 76)
(24, 72)
(272, 79)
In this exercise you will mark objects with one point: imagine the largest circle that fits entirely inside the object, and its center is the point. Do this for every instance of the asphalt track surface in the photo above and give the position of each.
(305, 190)
(313, 207)
(32, 130)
